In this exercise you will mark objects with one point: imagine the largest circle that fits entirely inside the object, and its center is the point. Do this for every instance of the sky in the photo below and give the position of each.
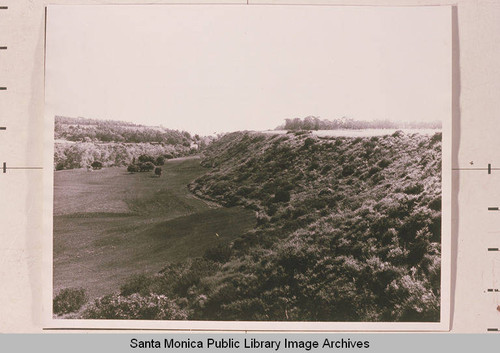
(220, 68)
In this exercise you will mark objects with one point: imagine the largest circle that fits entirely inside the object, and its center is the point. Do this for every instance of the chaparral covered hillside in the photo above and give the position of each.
(79, 142)
(348, 229)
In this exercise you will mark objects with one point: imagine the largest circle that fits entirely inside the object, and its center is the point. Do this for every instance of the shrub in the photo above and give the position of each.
(96, 165)
(160, 160)
(435, 204)
(146, 167)
(325, 192)
(300, 132)
(271, 209)
(143, 158)
(308, 142)
(414, 189)
(149, 166)
(244, 191)
(60, 166)
(135, 306)
(373, 170)
(347, 170)
(384, 163)
(133, 168)
(221, 188)
(326, 169)
(230, 200)
(281, 196)
(69, 300)
(158, 171)
(136, 284)
(437, 137)
(262, 218)
(314, 165)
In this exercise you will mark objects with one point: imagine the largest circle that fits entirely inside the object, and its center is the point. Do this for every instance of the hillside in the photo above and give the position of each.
(349, 229)
(85, 130)
(80, 141)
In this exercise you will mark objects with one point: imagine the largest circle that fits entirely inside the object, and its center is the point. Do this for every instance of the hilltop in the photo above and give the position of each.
(315, 123)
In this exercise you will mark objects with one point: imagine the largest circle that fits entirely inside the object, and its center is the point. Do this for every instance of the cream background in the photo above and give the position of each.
(476, 83)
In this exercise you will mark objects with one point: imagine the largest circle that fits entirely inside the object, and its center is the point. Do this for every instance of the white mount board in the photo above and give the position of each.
(476, 108)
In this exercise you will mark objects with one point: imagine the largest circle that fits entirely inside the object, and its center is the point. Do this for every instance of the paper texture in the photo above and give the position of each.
(475, 29)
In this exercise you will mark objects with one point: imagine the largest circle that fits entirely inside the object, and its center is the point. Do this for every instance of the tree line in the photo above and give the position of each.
(315, 123)
(91, 130)
(73, 155)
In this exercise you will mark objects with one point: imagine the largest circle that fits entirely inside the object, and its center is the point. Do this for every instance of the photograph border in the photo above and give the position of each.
(48, 322)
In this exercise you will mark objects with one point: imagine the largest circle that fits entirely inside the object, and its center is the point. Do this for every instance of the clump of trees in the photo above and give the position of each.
(146, 163)
(81, 154)
(315, 123)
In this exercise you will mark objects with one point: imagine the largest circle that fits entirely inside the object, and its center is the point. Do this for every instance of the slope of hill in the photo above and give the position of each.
(79, 142)
(81, 129)
(349, 229)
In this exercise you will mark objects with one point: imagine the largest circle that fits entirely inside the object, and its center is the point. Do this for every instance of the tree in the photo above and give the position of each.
(133, 168)
(146, 167)
(158, 171)
(143, 158)
(160, 160)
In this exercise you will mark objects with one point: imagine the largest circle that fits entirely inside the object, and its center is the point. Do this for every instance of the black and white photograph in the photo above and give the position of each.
(248, 167)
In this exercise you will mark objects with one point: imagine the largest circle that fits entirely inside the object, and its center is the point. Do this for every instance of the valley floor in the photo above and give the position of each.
(110, 224)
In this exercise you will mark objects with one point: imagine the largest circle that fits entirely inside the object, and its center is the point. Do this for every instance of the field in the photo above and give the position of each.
(110, 225)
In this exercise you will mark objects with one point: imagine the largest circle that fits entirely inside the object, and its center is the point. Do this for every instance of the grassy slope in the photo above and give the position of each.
(110, 224)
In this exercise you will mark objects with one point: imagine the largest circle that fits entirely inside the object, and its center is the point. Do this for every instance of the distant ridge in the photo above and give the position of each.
(84, 129)
(315, 123)
(86, 121)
